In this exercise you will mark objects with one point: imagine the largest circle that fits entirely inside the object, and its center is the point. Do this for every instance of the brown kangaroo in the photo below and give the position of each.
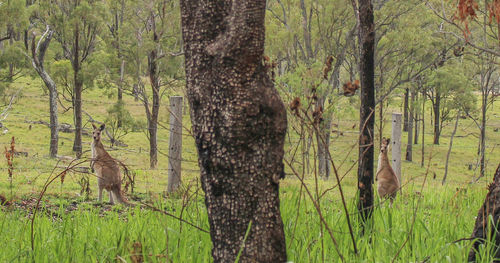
(387, 181)
(107, 169)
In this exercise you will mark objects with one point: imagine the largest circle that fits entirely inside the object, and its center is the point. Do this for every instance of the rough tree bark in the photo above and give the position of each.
(239, 124)
(483, 228)
(367, 116)
(37, 59)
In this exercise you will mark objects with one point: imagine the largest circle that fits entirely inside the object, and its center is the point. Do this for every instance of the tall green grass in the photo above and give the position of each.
(90, 234)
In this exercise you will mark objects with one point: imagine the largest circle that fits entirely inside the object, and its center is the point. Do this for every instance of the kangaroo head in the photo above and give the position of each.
(96, 134)
(385, 145)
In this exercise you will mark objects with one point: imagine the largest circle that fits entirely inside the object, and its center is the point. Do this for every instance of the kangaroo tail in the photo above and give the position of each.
(120, 197)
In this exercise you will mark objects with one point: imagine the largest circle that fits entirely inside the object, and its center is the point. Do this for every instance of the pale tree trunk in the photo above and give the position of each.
(306, 31)
(367, 116)
(239, 124)
(37, 57)
(449, 149)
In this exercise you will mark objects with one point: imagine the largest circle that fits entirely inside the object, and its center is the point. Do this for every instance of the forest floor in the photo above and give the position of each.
(426, 223)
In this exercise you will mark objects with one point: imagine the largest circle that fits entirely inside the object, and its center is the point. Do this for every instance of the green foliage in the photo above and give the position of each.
(120, 122)
(456, 88)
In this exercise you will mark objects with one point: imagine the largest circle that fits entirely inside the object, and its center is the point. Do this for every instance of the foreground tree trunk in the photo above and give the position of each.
(367, 116)
(239, 124)
(482, 228)
(37, 58)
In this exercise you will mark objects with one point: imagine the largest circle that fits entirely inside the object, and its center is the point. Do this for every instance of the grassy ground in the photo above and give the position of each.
(427, 218)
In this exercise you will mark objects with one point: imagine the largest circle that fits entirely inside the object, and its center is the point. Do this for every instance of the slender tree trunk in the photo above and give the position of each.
(416, 118)
(423, 130)
(323, 140)
(239, 124)
(449, 148)
(77, 96)
(306, 31)
(381, 123)
(155, 108)
(409, 145)
(11, 42)
(482, 137)
(367, 115)
(436, 109)
(405, 110)
(120, 84)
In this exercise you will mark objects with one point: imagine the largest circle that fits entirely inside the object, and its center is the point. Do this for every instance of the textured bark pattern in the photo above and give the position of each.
(483, 228)
(239, 123)
(367, 116)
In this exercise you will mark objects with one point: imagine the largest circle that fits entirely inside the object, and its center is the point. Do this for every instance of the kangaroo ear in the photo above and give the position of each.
(102, 127)
(388, 140)
(93, 126)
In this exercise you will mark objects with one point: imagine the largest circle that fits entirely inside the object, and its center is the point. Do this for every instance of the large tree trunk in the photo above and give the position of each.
(367, 116)
(436, 108)
(482, 228)
(239, 124)
(38, 55)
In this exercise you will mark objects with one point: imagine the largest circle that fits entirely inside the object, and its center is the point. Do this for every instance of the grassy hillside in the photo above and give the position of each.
(71, 227)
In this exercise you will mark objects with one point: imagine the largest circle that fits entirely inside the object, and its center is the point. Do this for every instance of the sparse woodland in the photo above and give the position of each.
(287, 107)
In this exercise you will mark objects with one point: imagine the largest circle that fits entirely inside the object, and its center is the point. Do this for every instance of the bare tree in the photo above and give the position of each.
(239, 124)
(37, 59)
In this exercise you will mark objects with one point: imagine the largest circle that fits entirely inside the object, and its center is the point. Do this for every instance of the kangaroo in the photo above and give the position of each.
(387, 181)
(107, 169)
